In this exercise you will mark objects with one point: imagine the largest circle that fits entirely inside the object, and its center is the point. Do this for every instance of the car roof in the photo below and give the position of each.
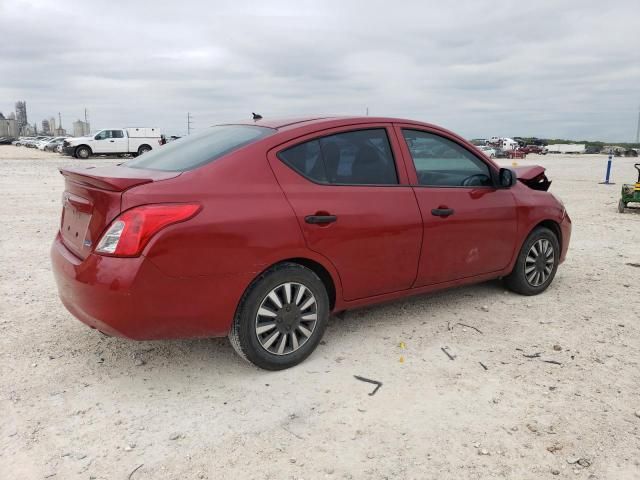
(290, 123)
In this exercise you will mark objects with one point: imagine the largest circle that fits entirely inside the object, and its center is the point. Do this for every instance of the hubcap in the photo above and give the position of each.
(539, 263)
(286, 318)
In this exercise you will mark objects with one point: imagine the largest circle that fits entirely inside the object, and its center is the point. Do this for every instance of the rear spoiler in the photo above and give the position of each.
(114, 178)
(533, 177)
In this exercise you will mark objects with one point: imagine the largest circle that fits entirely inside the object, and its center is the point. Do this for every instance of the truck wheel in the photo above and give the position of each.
(281, 317)
(83, 152)
(537, 263)
(143, 149)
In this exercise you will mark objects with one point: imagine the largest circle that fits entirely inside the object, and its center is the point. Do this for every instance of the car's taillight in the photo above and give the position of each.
(129, 233)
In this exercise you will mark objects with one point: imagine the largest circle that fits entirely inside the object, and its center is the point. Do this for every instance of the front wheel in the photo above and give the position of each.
(281, 317)
(537, 263)
(83, 152)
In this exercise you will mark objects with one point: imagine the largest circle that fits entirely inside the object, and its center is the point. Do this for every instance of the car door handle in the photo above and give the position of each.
(442, 212)
(320, 219)
(111, 141)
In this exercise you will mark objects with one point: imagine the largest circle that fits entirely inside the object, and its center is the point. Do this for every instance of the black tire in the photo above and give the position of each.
(244, 334)
(142, 149)
(83, 152)
(621, 206)
(519, 280)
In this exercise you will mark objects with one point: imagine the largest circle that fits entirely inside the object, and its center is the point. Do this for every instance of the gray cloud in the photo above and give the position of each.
(481, 68)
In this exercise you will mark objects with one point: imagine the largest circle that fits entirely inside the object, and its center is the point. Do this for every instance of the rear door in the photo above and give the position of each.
(469, 224)
(354, 205)
(119, 141)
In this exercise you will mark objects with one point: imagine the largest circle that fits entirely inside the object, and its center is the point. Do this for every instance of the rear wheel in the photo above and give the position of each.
(281, 317)
(621, 206)
(143, 149)
(537, 263)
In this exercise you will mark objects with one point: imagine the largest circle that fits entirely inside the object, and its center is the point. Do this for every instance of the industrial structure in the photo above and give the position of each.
(8, 126)
(21, 116)
(81, 129)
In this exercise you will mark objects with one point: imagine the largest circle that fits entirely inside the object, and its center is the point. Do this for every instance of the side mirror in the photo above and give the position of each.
(506, 178)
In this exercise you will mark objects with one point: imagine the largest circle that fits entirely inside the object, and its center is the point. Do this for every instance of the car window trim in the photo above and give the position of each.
(385, 127)
(490, 167)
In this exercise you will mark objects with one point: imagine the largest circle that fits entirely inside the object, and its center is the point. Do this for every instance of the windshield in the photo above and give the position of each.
(196, 150)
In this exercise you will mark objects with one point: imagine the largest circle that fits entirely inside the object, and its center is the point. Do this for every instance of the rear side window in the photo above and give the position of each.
(362, 157)
(199, 149)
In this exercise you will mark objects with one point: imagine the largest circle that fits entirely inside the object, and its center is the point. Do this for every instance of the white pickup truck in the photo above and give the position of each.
(133, 141)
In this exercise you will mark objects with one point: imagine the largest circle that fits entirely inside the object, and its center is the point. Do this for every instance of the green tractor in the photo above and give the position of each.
(630, 193)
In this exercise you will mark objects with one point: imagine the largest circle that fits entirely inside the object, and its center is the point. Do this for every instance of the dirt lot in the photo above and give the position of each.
(77, 404)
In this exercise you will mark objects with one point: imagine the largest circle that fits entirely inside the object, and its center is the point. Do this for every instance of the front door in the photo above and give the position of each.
(469, 224)
(354, 206)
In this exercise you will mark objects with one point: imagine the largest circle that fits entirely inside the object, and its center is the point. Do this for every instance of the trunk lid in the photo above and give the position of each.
(92, 199)
(533, 176)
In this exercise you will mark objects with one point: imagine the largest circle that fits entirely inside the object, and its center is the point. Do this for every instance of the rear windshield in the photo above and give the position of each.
(199, 149)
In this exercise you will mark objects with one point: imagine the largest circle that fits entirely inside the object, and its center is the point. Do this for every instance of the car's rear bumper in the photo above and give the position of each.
(132, 298)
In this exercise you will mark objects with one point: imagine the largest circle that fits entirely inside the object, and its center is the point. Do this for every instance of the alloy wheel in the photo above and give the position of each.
(539, 262)
(286, 318)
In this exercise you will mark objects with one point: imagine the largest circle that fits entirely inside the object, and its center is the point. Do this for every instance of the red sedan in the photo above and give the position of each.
(260, 230)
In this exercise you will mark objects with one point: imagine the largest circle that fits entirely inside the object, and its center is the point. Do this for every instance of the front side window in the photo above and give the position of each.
(103, 135)
(441, 162)
(199, 149)
(361, 157)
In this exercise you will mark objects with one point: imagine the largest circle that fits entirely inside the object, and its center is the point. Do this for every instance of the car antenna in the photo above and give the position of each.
(256, 116)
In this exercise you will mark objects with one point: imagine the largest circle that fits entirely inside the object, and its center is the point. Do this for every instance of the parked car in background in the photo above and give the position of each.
(43, 143)
(52, 146)
(538, 149)
(6, 140)
(592, 149)
(487, 150)
(501, 153)
(32, 143)
(134, 141)
(258, 231)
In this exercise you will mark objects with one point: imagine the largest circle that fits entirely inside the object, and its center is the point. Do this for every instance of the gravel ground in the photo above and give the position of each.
(77, 404)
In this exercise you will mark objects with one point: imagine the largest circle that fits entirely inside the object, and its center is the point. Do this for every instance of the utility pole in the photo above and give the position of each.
(188, 123)
(638, 129)
(59, 121)
(367, 111)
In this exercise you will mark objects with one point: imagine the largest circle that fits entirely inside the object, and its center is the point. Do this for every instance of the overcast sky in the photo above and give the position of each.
(481, 68)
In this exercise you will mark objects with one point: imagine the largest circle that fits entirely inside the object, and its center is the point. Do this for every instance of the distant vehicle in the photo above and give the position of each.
(540, 150)
(134, 141)
(500, 153)
(591, 149)
(43, 143)
(487, 150)
(261, 230)
(6, 140)
(52, 146)
(567, 148)
(504, 143)
(32, 143)
(20, 141)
